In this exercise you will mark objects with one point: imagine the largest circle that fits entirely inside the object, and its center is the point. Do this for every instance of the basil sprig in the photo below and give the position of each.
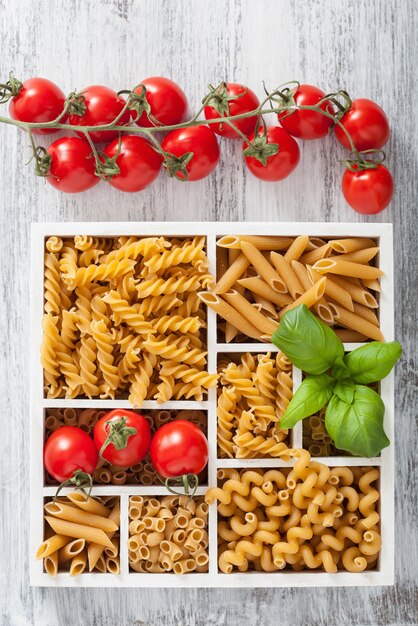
(354, 416)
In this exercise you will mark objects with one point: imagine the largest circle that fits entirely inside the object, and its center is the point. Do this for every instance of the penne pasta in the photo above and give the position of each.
(357, 293)
(372, 284)
(258, 286)
(263, 267)
(321, 307)
(71, 550)
(355, 322)
(345, 246)
(52, 544)
(235, 271)
(334, 265)
(51, 564)
(315, 255)
(95, 550)
(71, 514)
(261, 242)
(89, 505)
(297, 248)
(359, 256)
(257, 319)
(332, 289)
(366, 312)
(78, 564)
(310, 297)
(286, 271)
(229, 314)
(350, 336)
(78, 531)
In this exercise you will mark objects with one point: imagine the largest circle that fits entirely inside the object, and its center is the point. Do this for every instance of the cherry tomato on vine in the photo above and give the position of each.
(103, 105)
(307, 124)
(195, 149)
(72, 167)
(179, 448)
(138, 162)
(39, 100)
(165, 101)
(367, 124)
(67, 450)
(122, 437)
(235, 99)
(279, 165)
(368, 191)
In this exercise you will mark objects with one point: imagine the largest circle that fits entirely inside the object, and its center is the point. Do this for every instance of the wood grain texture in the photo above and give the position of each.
(368, 47)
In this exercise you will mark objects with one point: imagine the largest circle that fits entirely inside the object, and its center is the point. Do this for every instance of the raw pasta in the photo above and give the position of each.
(115, 309)
(307, 517)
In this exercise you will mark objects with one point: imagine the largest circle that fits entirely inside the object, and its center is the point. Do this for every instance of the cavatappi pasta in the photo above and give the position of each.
(81, 535)
(168, 534)
(262, 277)
(252, 397)
(117, 311)
(106, 474)
(309, 516)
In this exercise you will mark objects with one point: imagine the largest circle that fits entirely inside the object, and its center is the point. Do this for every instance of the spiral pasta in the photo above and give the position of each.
(117, 309)
(298, 518)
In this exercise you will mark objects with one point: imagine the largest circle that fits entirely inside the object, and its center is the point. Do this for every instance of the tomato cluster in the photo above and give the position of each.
(123, 438)
(190, 150)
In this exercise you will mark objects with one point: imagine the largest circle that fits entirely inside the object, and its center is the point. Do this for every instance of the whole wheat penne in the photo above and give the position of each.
(366, 312)
(256, 319)
(263, 267)
(94, 550)
(290, 278)
(262, 242)
(357, 293)
(359, 256)
(355, 322)
(50, 545)
(266, 306)
(332, 290)
(235, 271)
(321, 307)
(71, 550)
(90, 505)
(344, 246)
(51, 564)
(310, 297)
(316, 254)
(229, 314)
(297, 248)
(71, 514)
(257, 285)
(335, 265)
(72, 529)
(78, 564)
(372, 284)
(349, 336)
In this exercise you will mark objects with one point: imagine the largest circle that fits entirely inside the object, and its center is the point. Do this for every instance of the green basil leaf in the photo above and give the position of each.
(307, 342)
(344, 389)
(357, 427)
(340, 371)
(310, 397)
(373, 361)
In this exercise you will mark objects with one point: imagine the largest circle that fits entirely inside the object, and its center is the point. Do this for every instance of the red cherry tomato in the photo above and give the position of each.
(245, 103)
(103, 106)
(202, 142)
(124, 447)
(67, 450)
(307, 124)
(39, 100)
(138, 162)
(281, 164)
(368, 191)
(179, 448)
(367, 124)
(167, 101)
(72, 166)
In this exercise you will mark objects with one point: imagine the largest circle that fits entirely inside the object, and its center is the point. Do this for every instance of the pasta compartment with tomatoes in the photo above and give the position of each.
(180, 368)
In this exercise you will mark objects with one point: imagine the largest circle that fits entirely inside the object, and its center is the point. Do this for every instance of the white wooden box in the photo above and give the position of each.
(383, 575)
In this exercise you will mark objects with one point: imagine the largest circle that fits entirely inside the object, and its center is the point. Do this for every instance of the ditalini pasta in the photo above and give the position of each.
(262, 277)
(252, 397)
(168, 534)
(308, 517)
(82, 529)
(116, 309)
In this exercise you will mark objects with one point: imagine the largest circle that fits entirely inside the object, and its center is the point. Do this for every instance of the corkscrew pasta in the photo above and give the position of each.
(252, 397)
(81, 535)
(308, 517)
(117, 310)
(266, 276)
(168, 534)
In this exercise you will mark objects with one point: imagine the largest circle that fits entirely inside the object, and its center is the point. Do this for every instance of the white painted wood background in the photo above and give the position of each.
(368, 47)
